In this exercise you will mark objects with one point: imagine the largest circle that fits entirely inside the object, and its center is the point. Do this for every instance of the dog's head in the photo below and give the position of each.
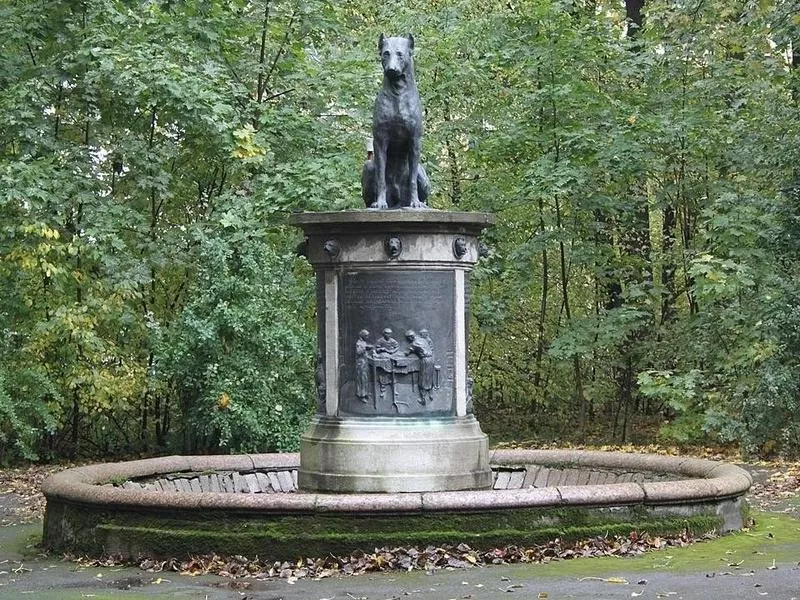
(396, 55)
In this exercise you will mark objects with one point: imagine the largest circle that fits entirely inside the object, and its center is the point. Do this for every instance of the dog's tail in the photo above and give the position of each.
(368, 183)
(423, 184)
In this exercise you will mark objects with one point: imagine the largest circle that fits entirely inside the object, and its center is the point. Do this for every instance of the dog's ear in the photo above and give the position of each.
(410, 41)
(380, 43)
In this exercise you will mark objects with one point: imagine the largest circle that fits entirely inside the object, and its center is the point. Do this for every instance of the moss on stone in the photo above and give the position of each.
(131, 532)
(291, 544)
(117, 480)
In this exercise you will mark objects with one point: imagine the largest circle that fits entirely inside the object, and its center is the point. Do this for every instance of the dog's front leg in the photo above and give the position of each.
(413, 165)
(380, 173)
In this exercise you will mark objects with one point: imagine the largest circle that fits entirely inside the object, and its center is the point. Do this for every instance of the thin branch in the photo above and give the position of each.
(262, 55)
(30, 52)
(278, 54)
(277, 95)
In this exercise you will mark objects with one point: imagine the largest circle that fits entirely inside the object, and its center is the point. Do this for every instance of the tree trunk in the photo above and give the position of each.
(580, 397)
(537, 374)
(633, 13)
(668, 268)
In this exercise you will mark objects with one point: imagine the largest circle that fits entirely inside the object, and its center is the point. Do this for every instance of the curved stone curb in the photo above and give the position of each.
(706, 480)
(84, 514)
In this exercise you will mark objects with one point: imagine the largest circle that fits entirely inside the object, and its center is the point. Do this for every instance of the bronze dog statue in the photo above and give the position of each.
(395, 178)
(368, 183)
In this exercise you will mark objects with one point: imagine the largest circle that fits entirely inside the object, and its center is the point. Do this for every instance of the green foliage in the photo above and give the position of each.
(239, 355)
(26, 398)
(124, 159)
(643, 268)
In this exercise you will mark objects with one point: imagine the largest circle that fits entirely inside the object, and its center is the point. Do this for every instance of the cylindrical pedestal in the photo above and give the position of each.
(394, 398)
(394, 455)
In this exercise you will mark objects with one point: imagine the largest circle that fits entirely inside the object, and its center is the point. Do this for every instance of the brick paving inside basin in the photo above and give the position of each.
(285, 480)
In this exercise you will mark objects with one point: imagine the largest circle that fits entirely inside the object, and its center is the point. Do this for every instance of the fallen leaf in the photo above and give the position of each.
(773, 567)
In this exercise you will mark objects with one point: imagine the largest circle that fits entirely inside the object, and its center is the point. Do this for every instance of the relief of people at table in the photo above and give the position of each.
(381, 366)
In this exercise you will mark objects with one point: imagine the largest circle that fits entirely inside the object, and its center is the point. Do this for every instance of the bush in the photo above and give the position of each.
(240, 355)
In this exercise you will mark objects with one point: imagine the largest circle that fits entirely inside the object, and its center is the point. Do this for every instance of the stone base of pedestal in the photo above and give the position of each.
(394, 455)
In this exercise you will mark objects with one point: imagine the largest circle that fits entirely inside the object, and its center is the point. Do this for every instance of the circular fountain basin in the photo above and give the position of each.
(250, 505)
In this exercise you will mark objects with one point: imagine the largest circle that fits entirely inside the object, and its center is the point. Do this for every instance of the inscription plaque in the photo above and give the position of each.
(405, 366)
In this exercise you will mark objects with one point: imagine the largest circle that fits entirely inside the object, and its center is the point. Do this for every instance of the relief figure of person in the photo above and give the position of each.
(319, 379)
(387, 344)
(363, 348)
(421, 345)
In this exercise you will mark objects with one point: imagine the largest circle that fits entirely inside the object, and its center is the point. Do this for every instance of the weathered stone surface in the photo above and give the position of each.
(501, 483)
(360, 221)
(289, 460)
(263, 483)
(80, 504)
(671, 491)
(725, 471)
(530, 475)
(541, 477)
(594, 477)
(602, 495)
(237, 462)
(553, 458)
(240, 484)
(252, 483)
(571, 477)
(555, 477)
(393, 455)
(491, 499)
(274, 481)
(286, 481)
(516, 480)
(366, 503)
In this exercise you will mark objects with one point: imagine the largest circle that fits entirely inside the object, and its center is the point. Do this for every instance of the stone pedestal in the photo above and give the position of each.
(394, 405)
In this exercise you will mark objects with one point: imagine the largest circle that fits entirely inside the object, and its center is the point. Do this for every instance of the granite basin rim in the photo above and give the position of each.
(82, 485)
(87, 512)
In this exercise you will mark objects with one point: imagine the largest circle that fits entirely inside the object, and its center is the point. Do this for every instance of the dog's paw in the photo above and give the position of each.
(418, 205)
(379, 205)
